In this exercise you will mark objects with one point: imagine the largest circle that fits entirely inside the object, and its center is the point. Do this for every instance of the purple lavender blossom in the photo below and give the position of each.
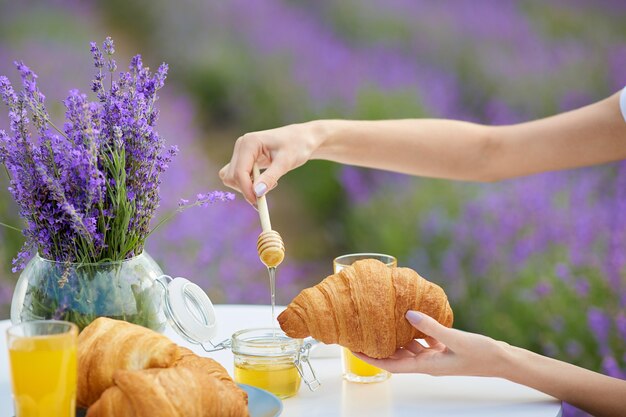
(611, 367)
(95, 181)
(582, 287)
(543, 289)
(620, 324)
(562, 272)
(600, 325)
(573, 349)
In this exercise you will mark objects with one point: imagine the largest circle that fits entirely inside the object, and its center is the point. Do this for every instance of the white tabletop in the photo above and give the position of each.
(401, 395)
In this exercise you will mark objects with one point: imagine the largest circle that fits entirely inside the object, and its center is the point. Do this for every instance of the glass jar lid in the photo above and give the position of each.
(189, 310)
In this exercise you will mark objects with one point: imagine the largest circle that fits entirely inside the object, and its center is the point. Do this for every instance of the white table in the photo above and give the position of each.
(401, 395)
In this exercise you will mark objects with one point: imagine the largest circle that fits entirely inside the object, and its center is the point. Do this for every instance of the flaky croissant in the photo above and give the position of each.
(107, 345)
(227, 389)
(362, 307)
(167, 392)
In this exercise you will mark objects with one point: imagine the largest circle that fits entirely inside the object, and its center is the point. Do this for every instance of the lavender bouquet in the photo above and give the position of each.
(88, 191)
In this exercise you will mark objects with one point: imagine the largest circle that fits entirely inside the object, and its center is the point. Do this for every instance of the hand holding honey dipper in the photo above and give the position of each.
(269, 244)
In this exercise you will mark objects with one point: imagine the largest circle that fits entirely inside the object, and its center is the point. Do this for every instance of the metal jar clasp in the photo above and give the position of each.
(305, 369)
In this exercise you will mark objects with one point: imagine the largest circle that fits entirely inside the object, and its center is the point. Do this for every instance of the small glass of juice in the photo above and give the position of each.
(354, 369)
(42, 356)
(268, 359)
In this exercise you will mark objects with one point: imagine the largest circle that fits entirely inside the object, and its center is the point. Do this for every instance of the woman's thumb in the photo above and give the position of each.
(427, 325)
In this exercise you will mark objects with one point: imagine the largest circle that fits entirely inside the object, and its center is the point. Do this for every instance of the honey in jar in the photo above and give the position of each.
(282, 380)
(270, 360)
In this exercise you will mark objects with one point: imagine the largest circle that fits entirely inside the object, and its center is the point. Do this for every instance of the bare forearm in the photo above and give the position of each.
(591, 135)
(425, 147)
(459, 150)
(597, 394)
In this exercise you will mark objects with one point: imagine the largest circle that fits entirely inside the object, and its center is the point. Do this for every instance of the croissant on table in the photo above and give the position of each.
(171, 392)
(228, 389)
(107, 345)
(125, 370)
(362, 307)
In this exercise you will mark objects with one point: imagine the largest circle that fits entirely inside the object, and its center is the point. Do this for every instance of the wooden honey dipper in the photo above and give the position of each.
(269, 244)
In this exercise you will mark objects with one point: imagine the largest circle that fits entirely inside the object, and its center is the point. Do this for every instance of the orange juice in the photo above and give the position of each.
(354, 369)
(357, 366)
(43, 374)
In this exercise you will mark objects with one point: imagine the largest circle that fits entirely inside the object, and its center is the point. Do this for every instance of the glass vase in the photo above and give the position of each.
(81, 292)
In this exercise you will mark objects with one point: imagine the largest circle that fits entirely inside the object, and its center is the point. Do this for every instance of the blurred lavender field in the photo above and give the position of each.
(213, 246)
(538, 262)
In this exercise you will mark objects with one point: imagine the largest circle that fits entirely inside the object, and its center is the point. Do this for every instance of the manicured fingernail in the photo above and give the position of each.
(260, 189)
(414, 316)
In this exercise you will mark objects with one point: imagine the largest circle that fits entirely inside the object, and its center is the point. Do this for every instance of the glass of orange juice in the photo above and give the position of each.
(354, 369)
(42, 355)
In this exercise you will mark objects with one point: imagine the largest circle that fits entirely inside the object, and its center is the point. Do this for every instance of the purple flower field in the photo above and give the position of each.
(213, 246)
(538, 261)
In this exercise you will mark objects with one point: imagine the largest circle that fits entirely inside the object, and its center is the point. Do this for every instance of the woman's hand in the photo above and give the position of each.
(454, 352)
(277, 150)
(449, 352)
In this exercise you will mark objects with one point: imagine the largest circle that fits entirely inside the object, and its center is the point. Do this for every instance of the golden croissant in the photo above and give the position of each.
(108, 345)
(362, 307)
(227, 389)
(128, 370)
(168, 392)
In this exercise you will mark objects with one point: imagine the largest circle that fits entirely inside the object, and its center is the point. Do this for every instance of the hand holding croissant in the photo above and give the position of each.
(362, 307)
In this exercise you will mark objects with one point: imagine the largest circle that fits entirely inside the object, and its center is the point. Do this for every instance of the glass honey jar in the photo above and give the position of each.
(268, 359)
(265, 358)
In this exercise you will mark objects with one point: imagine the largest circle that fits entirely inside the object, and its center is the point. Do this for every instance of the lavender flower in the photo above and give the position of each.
(89, 190)
(542, 289)
(600, 325)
